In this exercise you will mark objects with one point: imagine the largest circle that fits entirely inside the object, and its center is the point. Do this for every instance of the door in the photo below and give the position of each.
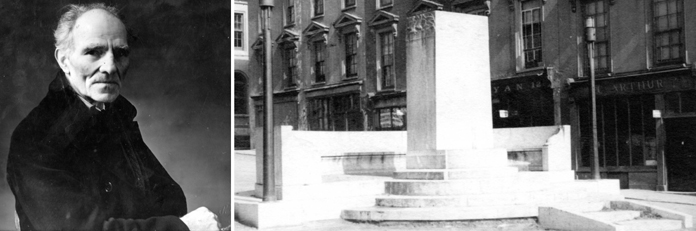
(680, 154)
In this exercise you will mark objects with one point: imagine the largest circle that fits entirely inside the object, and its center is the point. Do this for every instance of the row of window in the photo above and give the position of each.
(667, 27)
(667, 17)
(668, 37)
(667, 23)
(342, 113)
(318, 7)
(350, 46)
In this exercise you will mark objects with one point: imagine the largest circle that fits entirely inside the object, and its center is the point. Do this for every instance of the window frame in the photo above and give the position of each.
(315, 33)
(239, 28)
(351, 55)
(318, 8)
(242, 52)
(290, 13)
(318, 66)
(387, 82)
(349, 4)
(539, 61)
(656, 47)
(290, 65)
(606, 42)
(381, 4)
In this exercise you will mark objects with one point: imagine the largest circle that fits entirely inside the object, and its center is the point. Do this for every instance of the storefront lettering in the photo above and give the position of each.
(517, 87)
(638, 86)
(645, 86)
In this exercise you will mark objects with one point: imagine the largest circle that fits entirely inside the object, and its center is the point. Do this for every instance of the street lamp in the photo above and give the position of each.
(590, 37)
(269, 192)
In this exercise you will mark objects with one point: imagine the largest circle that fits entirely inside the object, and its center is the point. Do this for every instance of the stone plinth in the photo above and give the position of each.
(449, 91)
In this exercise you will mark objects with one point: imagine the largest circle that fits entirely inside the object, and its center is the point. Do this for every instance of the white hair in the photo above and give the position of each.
(64, 30)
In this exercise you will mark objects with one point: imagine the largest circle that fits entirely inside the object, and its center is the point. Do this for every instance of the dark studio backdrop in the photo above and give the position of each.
(179, 80)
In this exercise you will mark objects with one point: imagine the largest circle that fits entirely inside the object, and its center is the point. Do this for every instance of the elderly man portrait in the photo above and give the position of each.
(78, 160)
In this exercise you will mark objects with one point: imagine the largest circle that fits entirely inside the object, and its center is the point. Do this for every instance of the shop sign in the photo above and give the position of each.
(516, 87)
(668, 84)
(520, 84)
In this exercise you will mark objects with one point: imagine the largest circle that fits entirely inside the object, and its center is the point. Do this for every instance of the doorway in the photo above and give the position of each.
(242, 133)
(680, 154)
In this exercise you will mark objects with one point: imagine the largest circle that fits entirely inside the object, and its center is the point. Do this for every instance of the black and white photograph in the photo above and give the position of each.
(464, 114)
(115, 115)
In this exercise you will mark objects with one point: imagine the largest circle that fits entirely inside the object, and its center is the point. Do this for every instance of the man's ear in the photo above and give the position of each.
(61, 56)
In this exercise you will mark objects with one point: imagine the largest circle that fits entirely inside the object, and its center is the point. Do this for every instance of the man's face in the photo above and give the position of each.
(98, 60)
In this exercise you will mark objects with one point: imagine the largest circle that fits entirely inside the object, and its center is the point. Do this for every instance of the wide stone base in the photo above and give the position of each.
(477, 184)
(498, 205)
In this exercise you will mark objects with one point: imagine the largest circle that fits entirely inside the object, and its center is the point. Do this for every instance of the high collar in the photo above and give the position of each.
(66, 116)
(61, 90)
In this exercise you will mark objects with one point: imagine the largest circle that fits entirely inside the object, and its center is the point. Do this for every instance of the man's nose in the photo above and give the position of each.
(109, 64)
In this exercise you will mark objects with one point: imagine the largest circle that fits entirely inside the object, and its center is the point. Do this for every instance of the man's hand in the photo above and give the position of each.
(201, 219)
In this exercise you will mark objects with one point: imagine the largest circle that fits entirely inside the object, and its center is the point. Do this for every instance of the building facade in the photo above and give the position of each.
(645, 89)
(242, 75)
(339, 65)
(336, 65)
(644, 76)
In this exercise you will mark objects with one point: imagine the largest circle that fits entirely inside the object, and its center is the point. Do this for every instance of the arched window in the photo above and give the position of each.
(240, 94)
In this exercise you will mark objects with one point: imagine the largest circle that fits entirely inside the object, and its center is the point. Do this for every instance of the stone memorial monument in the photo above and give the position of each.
(453, 172)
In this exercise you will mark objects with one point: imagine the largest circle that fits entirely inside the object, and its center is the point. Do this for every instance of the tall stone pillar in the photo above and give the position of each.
(449, 92)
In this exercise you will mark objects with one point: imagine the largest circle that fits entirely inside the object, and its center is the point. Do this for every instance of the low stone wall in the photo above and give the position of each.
(364, 163)
(545, 148)
(303, 157)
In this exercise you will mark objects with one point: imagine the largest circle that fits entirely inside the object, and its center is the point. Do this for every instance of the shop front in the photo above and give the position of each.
(523, 101)
(335, 108)
(645, 126)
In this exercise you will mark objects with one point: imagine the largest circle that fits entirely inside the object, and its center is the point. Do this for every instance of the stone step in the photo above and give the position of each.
(614, 216)
(472, 200)
(455, 174)
(439, 213)
(651, 224)
(459, 187)
(421, 201)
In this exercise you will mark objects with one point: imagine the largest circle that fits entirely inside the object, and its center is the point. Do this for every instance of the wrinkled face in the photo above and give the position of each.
(98, 60)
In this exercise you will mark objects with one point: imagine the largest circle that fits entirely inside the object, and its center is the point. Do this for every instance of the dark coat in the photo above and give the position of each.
(75, 168)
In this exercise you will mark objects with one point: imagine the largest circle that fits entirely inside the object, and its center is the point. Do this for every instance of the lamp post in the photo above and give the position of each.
(269, 192)
(590, 38)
